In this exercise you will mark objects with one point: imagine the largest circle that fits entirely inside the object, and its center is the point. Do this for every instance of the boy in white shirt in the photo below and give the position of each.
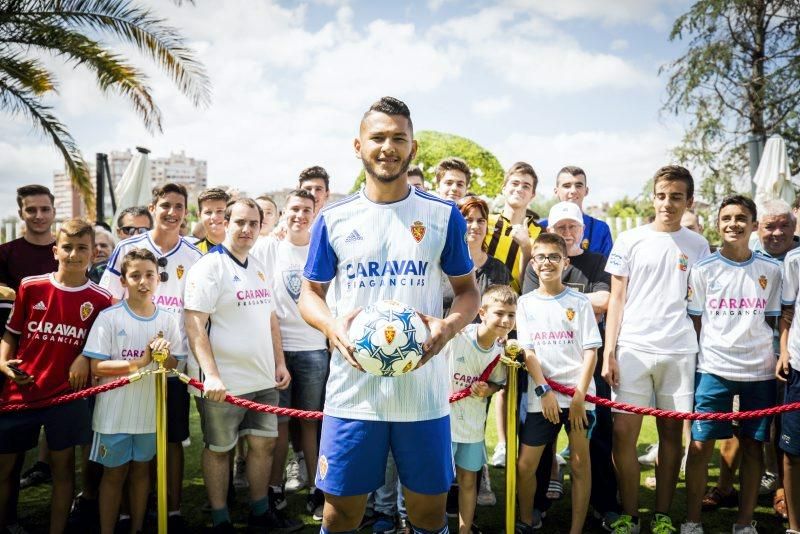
(651, 346)
(732, 295)
(559, 333)
(469, 353)
(121, 342)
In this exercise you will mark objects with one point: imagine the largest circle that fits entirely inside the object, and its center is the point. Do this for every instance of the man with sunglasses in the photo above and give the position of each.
(175, 256)
(133, 221)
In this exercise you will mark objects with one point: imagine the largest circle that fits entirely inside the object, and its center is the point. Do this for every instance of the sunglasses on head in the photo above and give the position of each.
(162, 263)
(131, 230)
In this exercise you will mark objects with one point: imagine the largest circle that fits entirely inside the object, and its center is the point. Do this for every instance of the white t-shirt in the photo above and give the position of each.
(657, 266)
(733, 300)
(467, 361)
(372, 252)
(238, 298)
(169, 294)
(791, 286)
(284, 263)
(558, 329)
(120, 334)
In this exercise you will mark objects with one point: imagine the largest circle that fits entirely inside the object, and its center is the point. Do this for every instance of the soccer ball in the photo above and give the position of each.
(388, 338)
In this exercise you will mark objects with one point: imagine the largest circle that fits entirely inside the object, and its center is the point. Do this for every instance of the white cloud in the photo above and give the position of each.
(492, 105)
(618, 45)
(610, 13)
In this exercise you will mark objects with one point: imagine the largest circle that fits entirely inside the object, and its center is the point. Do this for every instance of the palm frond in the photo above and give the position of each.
(29, 73)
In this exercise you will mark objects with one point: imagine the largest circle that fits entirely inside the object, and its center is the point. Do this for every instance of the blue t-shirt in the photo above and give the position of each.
(596, 235)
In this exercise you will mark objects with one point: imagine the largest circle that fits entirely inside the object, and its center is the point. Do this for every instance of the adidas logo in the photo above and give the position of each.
(122, 333)
(236, 278)
(460, 359)
(354, 236)
(40, 306)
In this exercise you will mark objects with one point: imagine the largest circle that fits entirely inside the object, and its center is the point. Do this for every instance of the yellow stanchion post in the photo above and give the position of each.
(512, 352)
(161, 437)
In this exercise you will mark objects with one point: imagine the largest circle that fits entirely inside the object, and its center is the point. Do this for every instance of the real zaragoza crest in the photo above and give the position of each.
(179, 271)
(762, 281)
(86, 310)
(389, 333)
(570, 314)
(417, 231)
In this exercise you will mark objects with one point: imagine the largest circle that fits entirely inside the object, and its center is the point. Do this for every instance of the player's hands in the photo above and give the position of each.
(480, 389)
(79, 373)
(214, 389)
(550, 408)
(20, 380)
(610, 372)
(577, 412)
(158, 343)
(440, 334)
(279, 232)
(519, 233)
(782, 368)
(282, 377)
(337, 335)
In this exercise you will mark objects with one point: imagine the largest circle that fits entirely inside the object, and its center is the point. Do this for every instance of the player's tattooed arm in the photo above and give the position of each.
(316, 313)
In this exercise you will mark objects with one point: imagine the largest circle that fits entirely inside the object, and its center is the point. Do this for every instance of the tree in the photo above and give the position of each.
(487, 173)
(69, 29)
(740, 78)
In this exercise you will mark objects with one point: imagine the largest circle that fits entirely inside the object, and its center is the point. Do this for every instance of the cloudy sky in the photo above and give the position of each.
(552, 83)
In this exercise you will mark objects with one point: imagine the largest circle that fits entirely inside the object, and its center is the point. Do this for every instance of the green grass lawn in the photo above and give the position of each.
(34, 502)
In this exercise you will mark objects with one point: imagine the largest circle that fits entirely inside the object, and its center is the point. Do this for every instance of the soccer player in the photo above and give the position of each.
(44, 337)
(469, 352)
(732, 295)
(452, 178)
(558, 331)
(571, 187)
(304, 348)
(175, 256)
(389, 240)
(121, 342)
(211, 204)
(235, 338)
(651, 346)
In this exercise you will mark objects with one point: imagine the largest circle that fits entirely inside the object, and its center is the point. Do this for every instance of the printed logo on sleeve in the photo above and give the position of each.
(683, 261)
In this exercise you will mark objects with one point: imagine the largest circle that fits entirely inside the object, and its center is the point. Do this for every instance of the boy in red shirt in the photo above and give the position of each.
(43, 341)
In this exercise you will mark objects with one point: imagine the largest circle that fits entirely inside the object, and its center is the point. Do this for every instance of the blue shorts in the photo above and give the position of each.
(352, 455)
(790, 432)
(469, 456)
(538, 431)
(65, 426)
(306, 391)
(114, 450)
(713, 393)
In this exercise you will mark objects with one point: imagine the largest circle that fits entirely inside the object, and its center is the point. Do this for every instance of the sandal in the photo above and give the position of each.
(779, 504)
(716, 499)
(555, 490)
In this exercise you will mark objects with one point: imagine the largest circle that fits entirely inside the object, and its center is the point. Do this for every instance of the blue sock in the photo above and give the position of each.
(323, 530)
(259, 507)
(442, 530)
(220, 516)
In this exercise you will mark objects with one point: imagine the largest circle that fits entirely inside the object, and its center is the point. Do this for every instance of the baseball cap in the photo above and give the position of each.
(564, 211)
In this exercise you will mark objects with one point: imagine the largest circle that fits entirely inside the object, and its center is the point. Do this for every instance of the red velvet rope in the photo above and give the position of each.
(63, 399)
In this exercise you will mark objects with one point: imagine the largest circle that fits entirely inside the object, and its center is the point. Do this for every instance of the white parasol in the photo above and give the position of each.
(773, 179)
(134, 188)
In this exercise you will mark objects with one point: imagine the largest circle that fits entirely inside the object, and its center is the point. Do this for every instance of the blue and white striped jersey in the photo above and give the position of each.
(372, 252)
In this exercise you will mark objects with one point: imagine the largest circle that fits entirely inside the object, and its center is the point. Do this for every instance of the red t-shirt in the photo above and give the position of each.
(20, 259)
(52, 321)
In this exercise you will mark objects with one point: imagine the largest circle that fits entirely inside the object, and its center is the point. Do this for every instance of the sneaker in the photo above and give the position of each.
(223, 528)
(769, 483)
(277, 498)
(315, 503)
(273, 521)
(691, 528)
(499, 455)
(522, 528)
(744, 529)
(625, 525)
(564, 452)
(606, 520)
(650, 455)
(175, 524)
(16, 528)
(538, 516)
(661, 524)
(452, 501)
(240, 474)
(790, 531)
(384, 524)
(295, 480)
(38, 473)
(486, 496)
(84, 514)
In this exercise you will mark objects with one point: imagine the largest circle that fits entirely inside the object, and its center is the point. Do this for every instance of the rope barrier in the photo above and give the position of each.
(69, 397)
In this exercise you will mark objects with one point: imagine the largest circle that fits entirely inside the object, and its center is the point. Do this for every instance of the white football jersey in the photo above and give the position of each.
(734, 300)
(791, 286)
(238, 298)
(558, 329)
(284, 263)
(120, 334)
(467, 361)
(657, 266)
(372, 252)
(169, 294)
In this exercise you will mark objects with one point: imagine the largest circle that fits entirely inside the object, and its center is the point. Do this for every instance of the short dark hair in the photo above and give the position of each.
(414, 170)
(137, 254)
(521, 167)
(390, 106)
(572, 170)
(135, 211)
(675, 173)
(301, 193)
(315, 173)
(546, 238)
(161, 191)
(453, 164)
(212, 193)
(31, 190)
(249, 202)
(739, 200)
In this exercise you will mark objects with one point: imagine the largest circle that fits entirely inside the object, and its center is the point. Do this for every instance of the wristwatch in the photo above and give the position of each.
(541, 390)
